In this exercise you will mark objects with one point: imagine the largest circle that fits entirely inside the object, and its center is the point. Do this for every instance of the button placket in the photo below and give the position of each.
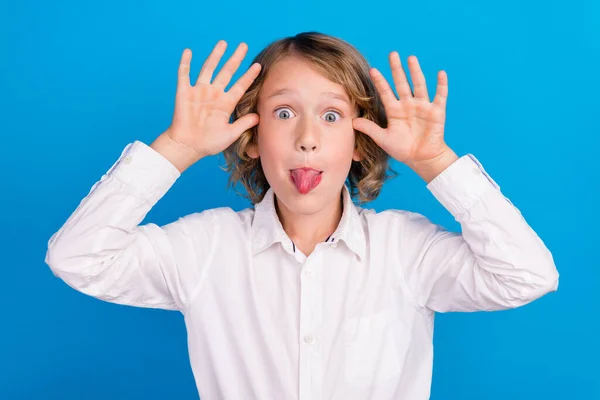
(309, 272)
(310, 317)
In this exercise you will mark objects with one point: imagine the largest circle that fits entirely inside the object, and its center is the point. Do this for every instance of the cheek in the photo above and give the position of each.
(270, 143)
(344, 142)
(272, 149)
(341, 151)
(274, 134)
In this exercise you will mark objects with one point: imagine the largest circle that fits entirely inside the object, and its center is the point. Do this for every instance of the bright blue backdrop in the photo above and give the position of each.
(80, 80)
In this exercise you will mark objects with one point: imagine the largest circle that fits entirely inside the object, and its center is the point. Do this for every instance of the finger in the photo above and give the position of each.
(441, 93)
(242, 124)
(371, 129)
(211, 62)
(402, 86)
(183, 73)
(418, 78)
(228, 70)
(383, 88)
(239, 88)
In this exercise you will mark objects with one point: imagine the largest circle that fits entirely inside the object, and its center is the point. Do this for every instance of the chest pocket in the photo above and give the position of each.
(371, 351)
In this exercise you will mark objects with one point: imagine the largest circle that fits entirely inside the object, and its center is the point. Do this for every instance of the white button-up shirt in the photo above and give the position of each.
(353, 320)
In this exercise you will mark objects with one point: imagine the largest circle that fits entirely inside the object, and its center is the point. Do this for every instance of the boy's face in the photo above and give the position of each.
(305, 121)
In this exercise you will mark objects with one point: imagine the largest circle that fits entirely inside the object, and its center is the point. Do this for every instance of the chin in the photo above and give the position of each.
(306, 204)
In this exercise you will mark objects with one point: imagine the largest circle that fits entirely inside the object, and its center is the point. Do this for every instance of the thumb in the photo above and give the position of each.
(242, 124)
(369, 128)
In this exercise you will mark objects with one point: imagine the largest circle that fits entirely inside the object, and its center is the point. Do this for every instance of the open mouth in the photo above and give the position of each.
(305, 179)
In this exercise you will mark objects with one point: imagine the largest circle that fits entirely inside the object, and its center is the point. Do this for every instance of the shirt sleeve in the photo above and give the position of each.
(498, 262)
(102, 251)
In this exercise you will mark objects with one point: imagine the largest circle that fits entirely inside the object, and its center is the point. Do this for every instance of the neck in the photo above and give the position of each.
(306, 231)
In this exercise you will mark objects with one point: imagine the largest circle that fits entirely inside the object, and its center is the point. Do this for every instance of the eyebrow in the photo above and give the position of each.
(333, 95)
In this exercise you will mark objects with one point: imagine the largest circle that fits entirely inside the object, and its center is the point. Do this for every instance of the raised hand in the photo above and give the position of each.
(415, 131)
(201, 118)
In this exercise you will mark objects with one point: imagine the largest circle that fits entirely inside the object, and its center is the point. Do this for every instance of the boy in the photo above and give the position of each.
(305, 295)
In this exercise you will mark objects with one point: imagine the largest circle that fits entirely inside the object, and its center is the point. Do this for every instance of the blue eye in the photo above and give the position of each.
(285, 114)
(328, 118)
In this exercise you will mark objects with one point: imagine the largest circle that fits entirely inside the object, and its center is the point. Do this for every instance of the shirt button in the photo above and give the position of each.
(127, 159)
(309, 339)
(310, 273)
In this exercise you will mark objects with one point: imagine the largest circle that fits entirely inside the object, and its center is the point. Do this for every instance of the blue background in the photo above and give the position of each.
(79, 80)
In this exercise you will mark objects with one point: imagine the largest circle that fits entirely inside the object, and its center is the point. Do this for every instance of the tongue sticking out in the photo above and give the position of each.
(305, 179)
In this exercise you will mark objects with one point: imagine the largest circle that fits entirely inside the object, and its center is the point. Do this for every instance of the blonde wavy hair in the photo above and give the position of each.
(341, 63)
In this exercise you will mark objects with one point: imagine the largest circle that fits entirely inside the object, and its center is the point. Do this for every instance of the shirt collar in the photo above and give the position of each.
(267, 229)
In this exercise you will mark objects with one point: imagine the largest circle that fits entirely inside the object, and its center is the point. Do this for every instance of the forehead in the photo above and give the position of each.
(293, 75)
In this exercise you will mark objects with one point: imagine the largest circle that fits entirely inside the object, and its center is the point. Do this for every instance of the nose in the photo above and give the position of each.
(308, 140)
(308, 147)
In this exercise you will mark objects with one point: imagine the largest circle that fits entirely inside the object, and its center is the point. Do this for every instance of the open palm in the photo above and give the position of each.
(202, 112)
(415, 130)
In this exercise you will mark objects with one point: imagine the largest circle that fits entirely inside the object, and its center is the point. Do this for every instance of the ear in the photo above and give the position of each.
(252, 151)
(356, 156)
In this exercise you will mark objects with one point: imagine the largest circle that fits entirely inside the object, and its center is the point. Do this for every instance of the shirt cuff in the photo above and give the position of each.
(145, 172)
(462, 184)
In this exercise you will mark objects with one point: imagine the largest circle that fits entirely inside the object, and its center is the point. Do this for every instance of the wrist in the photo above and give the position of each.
(181, 156)
(428, 170)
